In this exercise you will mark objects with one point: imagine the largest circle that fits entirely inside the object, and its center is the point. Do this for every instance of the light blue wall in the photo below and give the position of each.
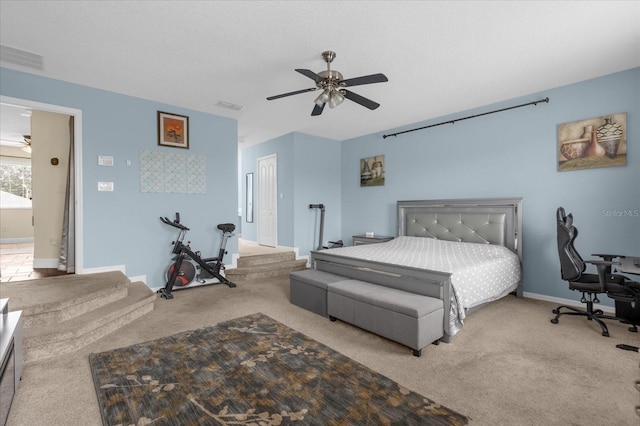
(511, 154)
(318, 178)
(501, 155)
(122, 227)
(282, 147)
(308, 173)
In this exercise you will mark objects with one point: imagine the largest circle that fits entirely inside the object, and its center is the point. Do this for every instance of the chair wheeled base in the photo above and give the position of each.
(592, 315)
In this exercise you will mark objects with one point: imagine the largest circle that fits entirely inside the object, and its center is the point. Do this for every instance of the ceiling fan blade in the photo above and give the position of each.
(317, 110)
(367, 79)
(297, 92)
(308, 73)
(367, 103)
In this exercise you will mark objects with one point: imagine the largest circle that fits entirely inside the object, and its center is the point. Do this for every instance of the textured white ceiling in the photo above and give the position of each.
(440, 57)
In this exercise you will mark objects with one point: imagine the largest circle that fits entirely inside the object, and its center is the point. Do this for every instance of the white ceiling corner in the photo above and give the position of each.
(440, 57)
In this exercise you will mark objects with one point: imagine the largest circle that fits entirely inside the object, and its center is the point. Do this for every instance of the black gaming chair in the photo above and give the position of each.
(617, 287)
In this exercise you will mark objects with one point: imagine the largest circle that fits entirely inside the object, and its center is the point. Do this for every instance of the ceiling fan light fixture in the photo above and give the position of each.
(324, 97)
(335, 99)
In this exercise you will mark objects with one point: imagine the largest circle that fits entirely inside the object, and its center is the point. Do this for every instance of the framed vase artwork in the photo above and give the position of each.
(173, 130)
(372, 171)
(593, 143)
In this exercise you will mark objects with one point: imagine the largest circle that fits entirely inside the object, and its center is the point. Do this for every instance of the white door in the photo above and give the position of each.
(268, 201)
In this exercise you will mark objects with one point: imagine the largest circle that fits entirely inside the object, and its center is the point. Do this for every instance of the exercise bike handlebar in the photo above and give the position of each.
(175, 223)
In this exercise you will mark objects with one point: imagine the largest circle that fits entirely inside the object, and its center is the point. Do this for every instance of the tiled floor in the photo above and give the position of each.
(16, 263)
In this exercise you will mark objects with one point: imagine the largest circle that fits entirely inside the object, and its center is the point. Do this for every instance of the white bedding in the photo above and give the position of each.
(480, 272)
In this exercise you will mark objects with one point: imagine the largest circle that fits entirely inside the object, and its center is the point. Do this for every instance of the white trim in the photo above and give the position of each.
(77, 125)
(568, 302)
(138, 278)
(45, 263)
(16, 240)
(99, 269)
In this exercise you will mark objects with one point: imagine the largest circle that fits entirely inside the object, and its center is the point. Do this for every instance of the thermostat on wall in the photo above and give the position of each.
(104, 160)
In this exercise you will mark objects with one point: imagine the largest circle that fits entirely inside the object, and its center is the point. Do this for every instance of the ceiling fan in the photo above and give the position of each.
(333, 86)
(27, 143)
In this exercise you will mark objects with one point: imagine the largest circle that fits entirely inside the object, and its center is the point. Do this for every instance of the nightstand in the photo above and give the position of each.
(363, 239)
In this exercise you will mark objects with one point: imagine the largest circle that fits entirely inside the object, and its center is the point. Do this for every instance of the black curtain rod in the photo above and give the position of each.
(545, 100)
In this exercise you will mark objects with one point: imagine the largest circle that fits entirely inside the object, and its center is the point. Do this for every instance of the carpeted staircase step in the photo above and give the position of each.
(263, 259)
(58, 338)
(268, 270)
(55, 299)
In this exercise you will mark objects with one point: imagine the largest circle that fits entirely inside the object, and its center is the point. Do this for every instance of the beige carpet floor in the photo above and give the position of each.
(508, 366)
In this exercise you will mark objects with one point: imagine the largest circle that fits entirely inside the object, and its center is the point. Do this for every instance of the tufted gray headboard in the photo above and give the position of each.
(482, 220)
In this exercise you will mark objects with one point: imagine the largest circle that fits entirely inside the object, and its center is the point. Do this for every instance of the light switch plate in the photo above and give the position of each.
(105, 186)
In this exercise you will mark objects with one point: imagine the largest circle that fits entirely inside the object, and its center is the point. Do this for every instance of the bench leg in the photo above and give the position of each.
(332, 318)
(417, 352)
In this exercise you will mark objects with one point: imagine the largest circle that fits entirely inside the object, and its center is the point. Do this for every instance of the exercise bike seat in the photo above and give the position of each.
(226, 227)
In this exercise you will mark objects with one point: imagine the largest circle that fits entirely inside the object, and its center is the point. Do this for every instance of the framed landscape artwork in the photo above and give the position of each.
(372, 171)
(173, 130)
(592, 143)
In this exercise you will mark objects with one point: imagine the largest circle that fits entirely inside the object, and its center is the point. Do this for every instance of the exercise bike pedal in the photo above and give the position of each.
(165, 294)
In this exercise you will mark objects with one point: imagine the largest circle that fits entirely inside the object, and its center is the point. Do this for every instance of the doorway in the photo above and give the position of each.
(16, 254)
(267, 195)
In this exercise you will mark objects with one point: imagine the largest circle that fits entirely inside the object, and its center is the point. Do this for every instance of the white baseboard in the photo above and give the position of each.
(16, 240)
(45, 263)
(569, 302)
(99, 269)
(138, 278)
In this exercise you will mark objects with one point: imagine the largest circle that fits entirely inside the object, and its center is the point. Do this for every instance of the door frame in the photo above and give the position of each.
(77, 158)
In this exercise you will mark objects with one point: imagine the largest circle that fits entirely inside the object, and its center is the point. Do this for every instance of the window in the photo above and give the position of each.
(15, 184)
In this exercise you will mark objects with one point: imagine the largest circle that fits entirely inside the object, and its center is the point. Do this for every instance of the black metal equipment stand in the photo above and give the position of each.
(210, 265)
(321, 207)
(334, 244)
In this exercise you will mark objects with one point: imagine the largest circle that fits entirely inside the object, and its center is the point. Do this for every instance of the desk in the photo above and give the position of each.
(629, 265)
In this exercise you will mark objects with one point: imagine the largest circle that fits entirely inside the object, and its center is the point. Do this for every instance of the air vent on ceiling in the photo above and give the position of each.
(229, 105)
(20, 57)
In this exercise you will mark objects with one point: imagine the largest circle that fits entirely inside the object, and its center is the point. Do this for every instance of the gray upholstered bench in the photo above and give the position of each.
(408, 318)
(308, 289)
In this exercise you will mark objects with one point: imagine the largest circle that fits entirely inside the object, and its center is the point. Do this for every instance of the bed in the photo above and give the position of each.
(465, 252)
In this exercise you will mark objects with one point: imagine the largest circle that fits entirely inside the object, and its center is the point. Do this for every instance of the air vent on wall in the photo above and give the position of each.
(20, 57)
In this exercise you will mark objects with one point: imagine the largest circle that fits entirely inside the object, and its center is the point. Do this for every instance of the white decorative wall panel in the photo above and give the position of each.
(172, 173)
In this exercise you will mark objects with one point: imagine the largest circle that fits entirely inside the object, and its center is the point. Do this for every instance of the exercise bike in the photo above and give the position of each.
(188, 265)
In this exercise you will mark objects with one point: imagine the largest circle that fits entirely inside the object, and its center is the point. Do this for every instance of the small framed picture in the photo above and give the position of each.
(173, 130)
(372, 171)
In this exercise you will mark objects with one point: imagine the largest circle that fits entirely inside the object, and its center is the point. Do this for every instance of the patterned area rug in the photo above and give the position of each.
(251, 371)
